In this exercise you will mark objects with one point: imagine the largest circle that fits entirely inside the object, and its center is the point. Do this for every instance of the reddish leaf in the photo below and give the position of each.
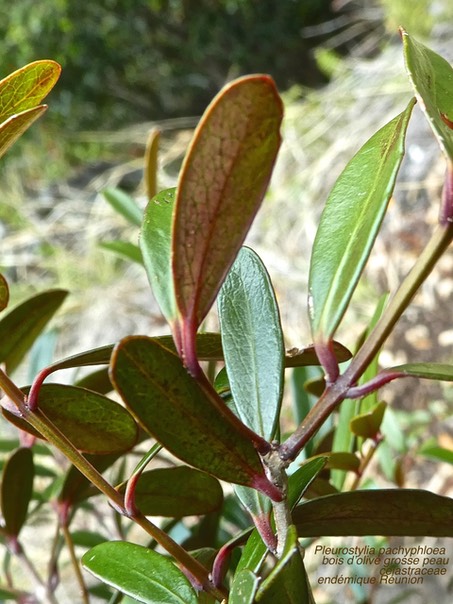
(222, 182)
(175, 409)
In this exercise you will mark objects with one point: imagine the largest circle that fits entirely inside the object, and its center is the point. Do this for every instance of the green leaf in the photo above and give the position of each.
(125, 205)
(255, 502)
(350, 223)
(244, 587)
(253, 554)
(429, 371)
(389, 512)
(93, 423)
(13, 128)
(433, 450)
(27, 87)
(177, 492)
(432, 79)
(301, 479)
(367, 425)
(98, 381)
(139, 572)
(155, 244)
(17, 490)
(4, 293)
(22, 325)
(252, 343)
(124, 249)
(222, 182)
(173, 407)
(287, 581)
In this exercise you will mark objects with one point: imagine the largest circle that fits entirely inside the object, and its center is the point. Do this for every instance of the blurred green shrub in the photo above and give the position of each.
(126, 60)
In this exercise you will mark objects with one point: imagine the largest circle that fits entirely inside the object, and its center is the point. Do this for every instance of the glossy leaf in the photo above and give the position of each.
(13, 128)
(222, 182)
(367, 425)
(287, 581)
(125, 205)
(27, 87)
(22, 325)
(177, 492)
(124, 249)
(389, 512)
(155, 244)
(350, 223)
(139, 572)
(432, 79)
(301, 479)
(17, 490)
(252, 342)
(93, 423)
(253, 554)
(244, 587)
(173, 407)
(4, 293)
(429, 371)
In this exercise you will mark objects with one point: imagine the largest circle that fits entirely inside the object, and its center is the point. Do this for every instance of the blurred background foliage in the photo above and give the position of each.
(129, 60)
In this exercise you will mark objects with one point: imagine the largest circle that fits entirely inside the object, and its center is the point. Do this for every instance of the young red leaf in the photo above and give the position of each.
(222, 182)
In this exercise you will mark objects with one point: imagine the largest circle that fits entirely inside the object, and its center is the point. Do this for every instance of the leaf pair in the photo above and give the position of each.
(20, 96)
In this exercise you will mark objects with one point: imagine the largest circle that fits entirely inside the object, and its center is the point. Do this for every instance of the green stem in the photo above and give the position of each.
(336, 392)
(50, 432)
(425, 263)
